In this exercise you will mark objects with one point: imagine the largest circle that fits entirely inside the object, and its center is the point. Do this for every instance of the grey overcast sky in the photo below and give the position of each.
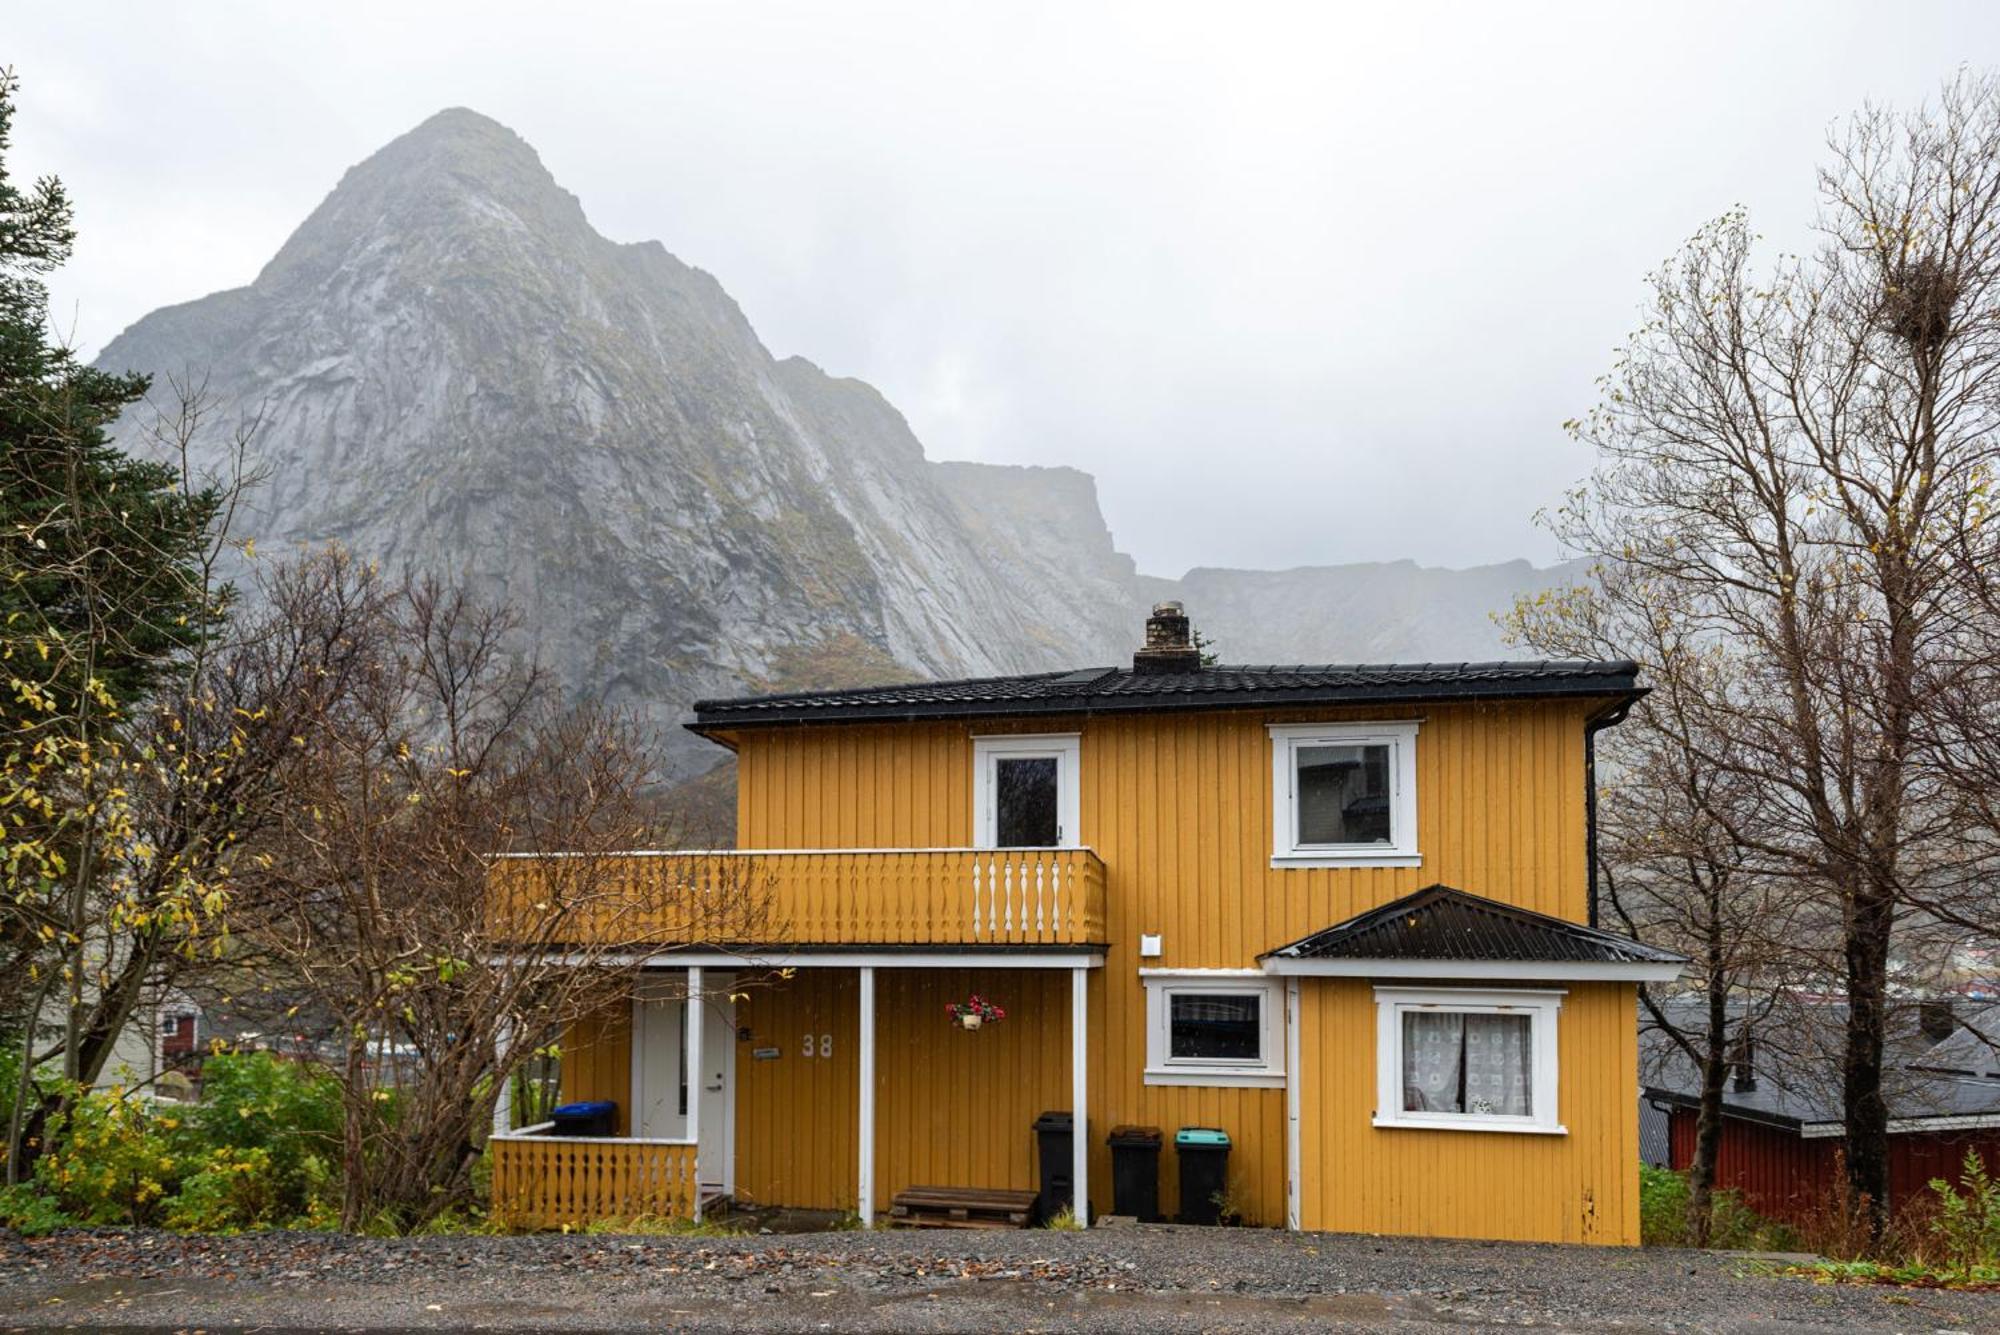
(1299, 285)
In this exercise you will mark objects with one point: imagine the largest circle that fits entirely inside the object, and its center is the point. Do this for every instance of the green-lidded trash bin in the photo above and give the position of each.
(1135, 1172)
(1054, 1132)
(1204, 1155)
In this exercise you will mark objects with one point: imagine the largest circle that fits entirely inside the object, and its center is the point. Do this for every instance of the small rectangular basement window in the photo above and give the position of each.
(1213, 1029)
(1459, 1059)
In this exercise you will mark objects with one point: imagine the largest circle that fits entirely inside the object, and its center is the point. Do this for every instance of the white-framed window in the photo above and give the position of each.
(1464, 1059)
(1214, 1027)
(1025, 790)
(1344, 795)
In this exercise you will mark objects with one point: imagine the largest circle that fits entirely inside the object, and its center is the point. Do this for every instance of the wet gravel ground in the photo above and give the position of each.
(1115, 1279)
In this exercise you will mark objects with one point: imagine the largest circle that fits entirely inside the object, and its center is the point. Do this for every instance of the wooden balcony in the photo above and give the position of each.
(949, 897)
(543, 1181)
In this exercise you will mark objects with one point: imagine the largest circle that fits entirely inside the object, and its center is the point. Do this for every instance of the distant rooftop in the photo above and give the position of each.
(1796, 1062)
(1109, 690)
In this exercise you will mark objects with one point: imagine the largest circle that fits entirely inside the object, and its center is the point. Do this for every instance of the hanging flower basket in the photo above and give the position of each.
(974, 1012)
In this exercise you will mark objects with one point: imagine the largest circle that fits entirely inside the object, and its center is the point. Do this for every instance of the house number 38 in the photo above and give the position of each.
(822, 1044)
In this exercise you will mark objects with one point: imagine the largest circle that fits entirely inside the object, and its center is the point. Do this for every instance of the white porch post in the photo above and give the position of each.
(1079, 1056)
(1294, 1080)
(692, 1020)
(865, 1193)
(503, 1098)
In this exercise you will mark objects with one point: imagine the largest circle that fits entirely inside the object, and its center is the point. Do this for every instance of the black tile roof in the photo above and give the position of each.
(1105, 690)
(1440, 923)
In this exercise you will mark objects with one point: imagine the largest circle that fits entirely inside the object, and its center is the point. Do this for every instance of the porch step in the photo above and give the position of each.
(962, 1207)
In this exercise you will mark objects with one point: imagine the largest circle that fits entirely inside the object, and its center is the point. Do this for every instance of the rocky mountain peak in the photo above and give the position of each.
(453, 371)
(456, 178)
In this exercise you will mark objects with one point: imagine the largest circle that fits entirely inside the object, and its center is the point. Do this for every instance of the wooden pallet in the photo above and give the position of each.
(962, 1207)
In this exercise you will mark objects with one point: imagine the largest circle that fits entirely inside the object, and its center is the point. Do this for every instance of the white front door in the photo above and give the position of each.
(661, 1084)
(715, 1157)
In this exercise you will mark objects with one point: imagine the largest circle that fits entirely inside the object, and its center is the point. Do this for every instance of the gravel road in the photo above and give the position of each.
(1157, 1278)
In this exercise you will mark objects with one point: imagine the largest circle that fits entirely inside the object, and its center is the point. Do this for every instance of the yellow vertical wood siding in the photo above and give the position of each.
(1179, 806)
(796, 1114)
(952, 1108)
(956, 1108)
(597, 1059)
(1579, 1187)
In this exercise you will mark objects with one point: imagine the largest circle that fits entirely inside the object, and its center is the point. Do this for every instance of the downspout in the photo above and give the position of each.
(1597, 723)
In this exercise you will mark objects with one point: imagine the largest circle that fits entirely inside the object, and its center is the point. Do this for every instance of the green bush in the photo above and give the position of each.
(112, 1160)
(1663, 1199)
(254, 1153)
(233, 1189)
(288, 1113)
(1967, 1226)
(25, 1209)
(1733, 1226)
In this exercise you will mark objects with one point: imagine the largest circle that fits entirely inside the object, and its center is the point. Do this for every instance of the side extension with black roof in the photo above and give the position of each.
(1440, 930)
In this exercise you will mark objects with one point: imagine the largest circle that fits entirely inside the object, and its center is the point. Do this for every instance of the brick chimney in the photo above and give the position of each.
(1169, 643)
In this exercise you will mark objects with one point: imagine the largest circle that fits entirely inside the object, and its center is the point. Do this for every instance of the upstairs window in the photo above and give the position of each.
(1024, 791)
(1344, 794)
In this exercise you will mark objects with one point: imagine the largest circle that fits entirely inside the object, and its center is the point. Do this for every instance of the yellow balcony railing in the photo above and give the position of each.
(542, 1181)
(806, 897)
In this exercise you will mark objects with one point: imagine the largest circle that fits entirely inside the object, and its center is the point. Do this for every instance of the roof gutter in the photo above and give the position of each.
(1596, 723)
(711, 717)
(1734, 1112)
(1549, 971)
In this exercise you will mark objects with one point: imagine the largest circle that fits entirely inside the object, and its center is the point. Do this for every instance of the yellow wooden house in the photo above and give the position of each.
(1341, 914)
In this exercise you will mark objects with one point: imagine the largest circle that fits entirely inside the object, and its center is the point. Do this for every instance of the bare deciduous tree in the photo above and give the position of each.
(1671, 869)
(379, 894)
(1791, 460)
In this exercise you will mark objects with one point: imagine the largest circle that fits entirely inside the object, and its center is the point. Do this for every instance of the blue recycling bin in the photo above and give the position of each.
(592, 1117)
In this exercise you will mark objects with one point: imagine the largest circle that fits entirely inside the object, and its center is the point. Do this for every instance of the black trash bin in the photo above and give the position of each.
(593, 1117)
(1135, 1172)
(1204, 1155)
(1054, 1138)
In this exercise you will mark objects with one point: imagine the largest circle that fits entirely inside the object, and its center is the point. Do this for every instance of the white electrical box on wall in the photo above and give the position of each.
(1149, 945)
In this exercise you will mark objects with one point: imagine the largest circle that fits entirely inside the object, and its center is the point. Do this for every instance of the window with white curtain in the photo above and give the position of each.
(1452, 1058)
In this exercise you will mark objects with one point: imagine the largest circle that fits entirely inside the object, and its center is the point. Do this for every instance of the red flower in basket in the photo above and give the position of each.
(974, 1011)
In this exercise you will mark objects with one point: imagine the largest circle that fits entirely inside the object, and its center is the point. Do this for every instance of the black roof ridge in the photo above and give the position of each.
(1118, 689)
(839, 692)
(1316, 943)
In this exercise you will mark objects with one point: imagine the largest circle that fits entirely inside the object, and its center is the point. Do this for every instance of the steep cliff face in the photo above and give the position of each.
(1375, 612)
(1040, 530)
(452, 370)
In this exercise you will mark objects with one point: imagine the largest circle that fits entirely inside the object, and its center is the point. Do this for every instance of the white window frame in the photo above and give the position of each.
(1544, 1011)
(1065, 747)
(1400, 851)
(1162, 1068)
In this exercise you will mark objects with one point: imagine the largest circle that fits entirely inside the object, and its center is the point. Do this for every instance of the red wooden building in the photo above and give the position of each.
(1782, 1137)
